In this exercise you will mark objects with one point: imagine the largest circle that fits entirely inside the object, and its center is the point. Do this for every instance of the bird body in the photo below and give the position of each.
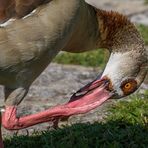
(29, 44)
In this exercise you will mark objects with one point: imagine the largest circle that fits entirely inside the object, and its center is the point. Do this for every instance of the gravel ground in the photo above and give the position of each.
(58, 82)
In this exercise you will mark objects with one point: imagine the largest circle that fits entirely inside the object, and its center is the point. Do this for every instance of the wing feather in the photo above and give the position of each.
(18, 8)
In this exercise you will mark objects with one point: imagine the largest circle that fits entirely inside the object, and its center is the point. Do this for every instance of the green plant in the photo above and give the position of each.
(144, 31)
(146, 1)
(95, 58)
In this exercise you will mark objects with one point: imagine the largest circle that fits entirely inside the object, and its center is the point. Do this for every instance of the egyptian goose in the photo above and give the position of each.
(33, 32)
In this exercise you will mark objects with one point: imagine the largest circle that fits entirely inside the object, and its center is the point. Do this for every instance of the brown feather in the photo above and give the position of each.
(6, 9)
(114, 29)
(18, 8)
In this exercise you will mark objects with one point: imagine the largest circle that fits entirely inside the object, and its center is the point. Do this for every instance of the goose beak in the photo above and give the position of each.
(87, 98)
(90, 96)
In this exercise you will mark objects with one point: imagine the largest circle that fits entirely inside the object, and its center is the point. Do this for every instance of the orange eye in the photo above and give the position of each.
(128, 86)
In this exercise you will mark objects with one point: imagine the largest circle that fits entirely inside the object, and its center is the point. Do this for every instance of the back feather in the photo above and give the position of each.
(18, 8)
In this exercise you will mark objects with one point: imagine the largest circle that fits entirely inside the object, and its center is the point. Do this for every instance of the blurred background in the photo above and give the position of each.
(69, 72)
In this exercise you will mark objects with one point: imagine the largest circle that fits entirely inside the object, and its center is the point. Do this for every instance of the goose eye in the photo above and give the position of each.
(129, 86)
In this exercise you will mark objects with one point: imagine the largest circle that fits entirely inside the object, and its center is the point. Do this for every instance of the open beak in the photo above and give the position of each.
(89, 97)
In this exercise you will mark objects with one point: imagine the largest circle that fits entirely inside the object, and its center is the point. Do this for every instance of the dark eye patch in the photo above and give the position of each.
(128, 86)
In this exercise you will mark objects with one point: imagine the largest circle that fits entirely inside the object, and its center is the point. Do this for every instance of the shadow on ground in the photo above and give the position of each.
(113, 134)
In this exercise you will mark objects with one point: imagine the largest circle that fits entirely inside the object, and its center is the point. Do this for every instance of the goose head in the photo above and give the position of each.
(121, 77)
(127, 65)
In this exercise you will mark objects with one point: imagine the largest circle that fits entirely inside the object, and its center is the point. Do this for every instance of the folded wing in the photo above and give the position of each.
(18, 8)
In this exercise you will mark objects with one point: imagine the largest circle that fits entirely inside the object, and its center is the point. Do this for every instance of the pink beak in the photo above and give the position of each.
(84, 100)
(90, 96)
(87, 98)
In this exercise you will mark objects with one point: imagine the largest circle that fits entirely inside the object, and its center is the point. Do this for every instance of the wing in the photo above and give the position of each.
(18, 8)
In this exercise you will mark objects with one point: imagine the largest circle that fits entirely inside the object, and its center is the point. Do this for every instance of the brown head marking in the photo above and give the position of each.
(114, 29)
